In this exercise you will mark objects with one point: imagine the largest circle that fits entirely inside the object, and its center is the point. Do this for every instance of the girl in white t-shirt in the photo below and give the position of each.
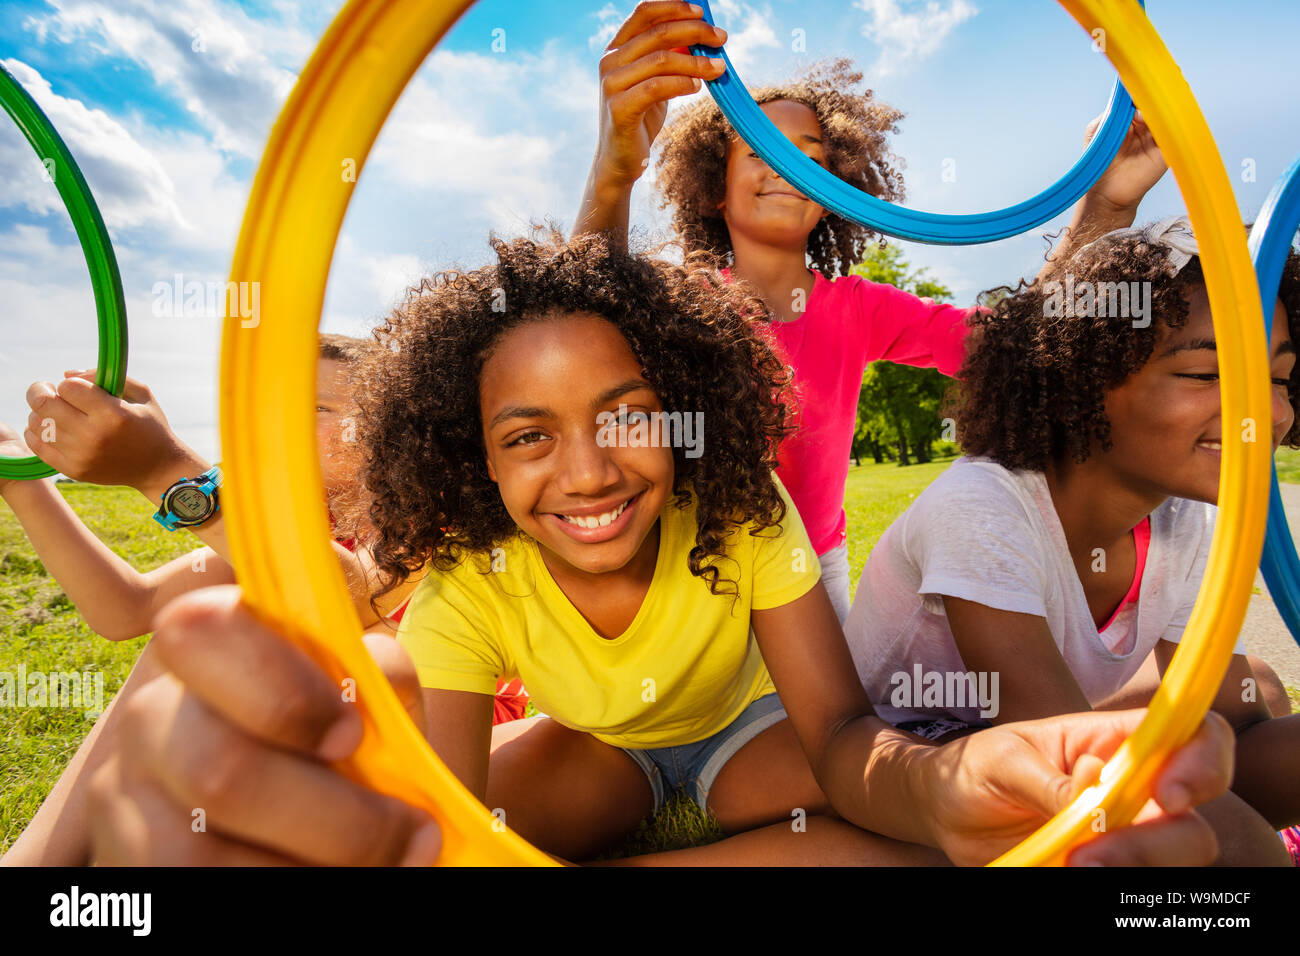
(1035, 576)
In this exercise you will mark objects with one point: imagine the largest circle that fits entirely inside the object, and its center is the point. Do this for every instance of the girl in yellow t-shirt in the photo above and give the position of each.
(580, 442)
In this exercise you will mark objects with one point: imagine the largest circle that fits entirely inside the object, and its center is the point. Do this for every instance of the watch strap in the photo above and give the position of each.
(207, 483)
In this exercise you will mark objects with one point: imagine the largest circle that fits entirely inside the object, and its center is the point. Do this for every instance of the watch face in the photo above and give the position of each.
(189, 504)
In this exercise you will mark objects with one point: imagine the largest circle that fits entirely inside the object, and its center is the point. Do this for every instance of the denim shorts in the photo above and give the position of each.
(694, 767)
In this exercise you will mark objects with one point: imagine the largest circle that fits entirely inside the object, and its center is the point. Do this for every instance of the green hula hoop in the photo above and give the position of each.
(110, 306)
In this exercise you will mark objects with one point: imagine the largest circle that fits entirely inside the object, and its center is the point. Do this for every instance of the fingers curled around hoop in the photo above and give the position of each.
(175, 749)
(137, 392)
(1186, 840)
(648, 13)
(212, 642)
(41, 395)
(628, 107)
(34, 437)
(134, 823)
(1200, 770)
(85, 396)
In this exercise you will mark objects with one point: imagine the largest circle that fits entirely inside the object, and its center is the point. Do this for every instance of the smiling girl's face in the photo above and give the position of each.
(1165, 426)
(540, 392)
(759, 204)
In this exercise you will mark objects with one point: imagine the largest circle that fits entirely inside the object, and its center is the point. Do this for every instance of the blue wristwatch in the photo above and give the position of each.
(191, 501)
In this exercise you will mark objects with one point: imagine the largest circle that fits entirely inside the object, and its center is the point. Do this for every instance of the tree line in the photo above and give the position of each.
(900, 407)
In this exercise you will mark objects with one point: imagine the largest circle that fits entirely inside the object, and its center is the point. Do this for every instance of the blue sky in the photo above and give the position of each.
(167, 105)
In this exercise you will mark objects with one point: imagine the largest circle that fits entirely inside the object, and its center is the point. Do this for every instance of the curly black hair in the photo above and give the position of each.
(1033, 388)
(691, 170)
(419, 420)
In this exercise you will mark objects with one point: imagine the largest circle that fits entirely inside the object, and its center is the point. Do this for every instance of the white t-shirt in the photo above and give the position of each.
(986, 534)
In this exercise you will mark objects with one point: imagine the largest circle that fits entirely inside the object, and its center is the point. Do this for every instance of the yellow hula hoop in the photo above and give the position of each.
(1148, 70)
(292, 579)
(273, 480)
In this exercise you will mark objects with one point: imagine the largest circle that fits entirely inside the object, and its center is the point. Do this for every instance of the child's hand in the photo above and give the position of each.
(644, 66)
(1113, 200)
(11, 446)
(242, 727)
(994, 788)
(1137, 167)
(95, 436)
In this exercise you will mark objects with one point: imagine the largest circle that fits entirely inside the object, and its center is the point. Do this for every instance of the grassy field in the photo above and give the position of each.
(41, 631)
(874, 496)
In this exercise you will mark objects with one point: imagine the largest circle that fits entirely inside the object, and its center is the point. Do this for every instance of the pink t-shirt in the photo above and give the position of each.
(848, 323)
(1141, 543)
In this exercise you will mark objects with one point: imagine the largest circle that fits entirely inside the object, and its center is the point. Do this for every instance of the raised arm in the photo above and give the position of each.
(1113, 201)
(117, 601)
(84, 432)
(88, 434)
(642, 69)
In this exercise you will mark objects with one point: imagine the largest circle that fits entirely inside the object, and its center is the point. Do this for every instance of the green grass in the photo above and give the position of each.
(1288, 464)
(874, 496)
(41, 630)
(678, 824)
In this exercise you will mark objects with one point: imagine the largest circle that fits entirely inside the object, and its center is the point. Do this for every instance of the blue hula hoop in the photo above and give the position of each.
(831, 192)
(1270, 244)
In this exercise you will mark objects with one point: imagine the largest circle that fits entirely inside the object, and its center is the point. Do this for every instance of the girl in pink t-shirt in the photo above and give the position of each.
(727, 203)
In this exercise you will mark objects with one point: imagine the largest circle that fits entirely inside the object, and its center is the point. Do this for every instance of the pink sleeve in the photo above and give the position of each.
(904, 328)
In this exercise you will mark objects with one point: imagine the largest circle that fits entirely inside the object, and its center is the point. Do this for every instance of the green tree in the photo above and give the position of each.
(872, 435)
(898, 407)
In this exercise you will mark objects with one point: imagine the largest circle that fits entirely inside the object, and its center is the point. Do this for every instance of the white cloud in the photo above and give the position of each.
(469, 130)
(492, 176)
(386, 277)
(524, 89)
(130, 186)
(216, 62)
(610, 18)
(49, 314)
(749, 30)
(908, 30)
(210, 197)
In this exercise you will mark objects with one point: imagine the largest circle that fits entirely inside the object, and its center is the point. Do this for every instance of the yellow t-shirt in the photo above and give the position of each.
(683, 670)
